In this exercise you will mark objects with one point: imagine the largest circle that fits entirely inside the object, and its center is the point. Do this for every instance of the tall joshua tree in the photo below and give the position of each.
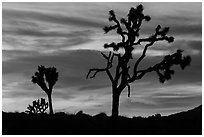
(46, 79)
(124, 74)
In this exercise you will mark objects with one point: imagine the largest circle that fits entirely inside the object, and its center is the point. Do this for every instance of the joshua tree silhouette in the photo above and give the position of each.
(46, 79)
(129, 31)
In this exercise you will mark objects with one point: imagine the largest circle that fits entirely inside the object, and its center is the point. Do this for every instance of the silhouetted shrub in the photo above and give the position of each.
(38, 106)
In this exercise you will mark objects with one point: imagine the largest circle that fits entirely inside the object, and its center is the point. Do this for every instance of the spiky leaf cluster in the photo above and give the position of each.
(164, 70)
(131, 27)
(45, 75)
(136, 16)
(163, 32)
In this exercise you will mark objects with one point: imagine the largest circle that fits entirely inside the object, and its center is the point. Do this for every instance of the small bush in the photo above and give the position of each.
(38, 107)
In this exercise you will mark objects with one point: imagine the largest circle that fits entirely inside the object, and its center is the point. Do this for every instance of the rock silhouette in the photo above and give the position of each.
(129, 31)
(46, 79)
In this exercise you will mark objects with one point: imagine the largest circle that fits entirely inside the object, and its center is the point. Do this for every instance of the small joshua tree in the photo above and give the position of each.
(124, 74)
(38, 107)
(46, 79)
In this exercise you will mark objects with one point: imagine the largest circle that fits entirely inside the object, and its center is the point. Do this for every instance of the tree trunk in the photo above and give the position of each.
(50, 103)
(115, 104)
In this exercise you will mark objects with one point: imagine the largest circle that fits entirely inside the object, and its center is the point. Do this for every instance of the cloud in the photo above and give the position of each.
(44, 41)
(49, 18)
(22, 94)
(160, 98)
(190, 47)
(45, 31)
(73, 67)
(39, 33)
(93, 87)
(192, 26)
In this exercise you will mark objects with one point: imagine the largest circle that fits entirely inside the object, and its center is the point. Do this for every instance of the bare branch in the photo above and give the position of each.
(110, 76)
(152, 39)
(106, 57)
(109, 28)
(96, 70)
(143, 72)
(162, 33)
(109, 59)
(124, 21)
(117, 72)
(137, 63)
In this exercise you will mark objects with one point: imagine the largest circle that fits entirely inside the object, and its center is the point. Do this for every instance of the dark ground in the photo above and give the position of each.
(184, 123)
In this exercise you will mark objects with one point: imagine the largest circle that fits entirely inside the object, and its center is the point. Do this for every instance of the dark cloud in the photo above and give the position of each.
(187, 45)
(54, 44)
(73, 67)
(197, 45)
(194, 30)
(63, 95)
(43, 41)
(136, 104)
(71, 81)
(15, 54)
(163, 102)
(24, 88)
(49, 18)
(40, 33)
(92, 86)
(26, 91)
(179, 101)
(23, 94)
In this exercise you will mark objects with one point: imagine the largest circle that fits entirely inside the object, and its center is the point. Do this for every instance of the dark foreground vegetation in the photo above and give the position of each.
(189, 122)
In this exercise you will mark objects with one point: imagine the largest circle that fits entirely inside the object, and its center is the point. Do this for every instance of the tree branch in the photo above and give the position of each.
(152, 39)
(117, 72)
(109, 59)
(128, 86)
(163, 68)
(119, 28)
(96, 70)
(110, 76)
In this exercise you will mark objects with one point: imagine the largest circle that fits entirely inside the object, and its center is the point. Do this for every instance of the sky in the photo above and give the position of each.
(69, 36)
